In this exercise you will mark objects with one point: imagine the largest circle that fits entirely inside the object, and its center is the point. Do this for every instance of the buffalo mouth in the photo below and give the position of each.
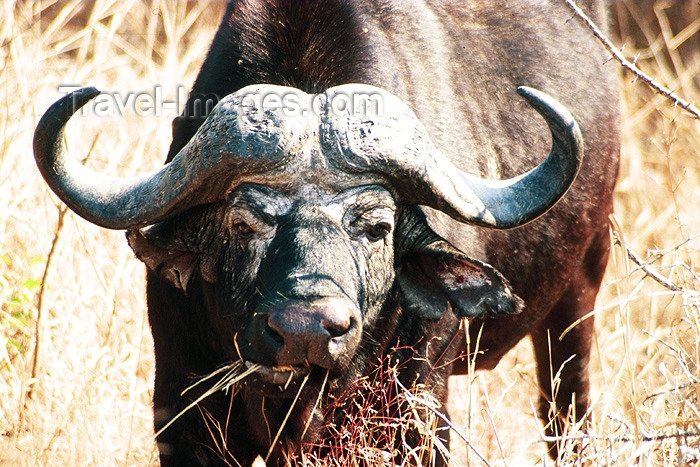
(283, 377)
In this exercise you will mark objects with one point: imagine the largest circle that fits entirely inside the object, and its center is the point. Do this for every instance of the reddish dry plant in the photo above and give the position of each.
(377, 421)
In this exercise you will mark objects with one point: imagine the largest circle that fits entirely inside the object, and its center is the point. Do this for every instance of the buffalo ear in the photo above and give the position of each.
(161, 256)
(433, 275)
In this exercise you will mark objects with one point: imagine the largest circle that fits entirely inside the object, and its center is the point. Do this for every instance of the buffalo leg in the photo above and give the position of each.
(568, 357)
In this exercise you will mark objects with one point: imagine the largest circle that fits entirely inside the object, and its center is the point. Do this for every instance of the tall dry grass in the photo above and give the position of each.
(75, 293)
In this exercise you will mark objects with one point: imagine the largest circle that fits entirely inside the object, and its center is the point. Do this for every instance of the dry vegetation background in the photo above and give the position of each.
(76, 361)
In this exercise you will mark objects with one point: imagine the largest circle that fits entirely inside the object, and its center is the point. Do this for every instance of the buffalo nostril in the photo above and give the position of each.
(336, 327)
(274, 331)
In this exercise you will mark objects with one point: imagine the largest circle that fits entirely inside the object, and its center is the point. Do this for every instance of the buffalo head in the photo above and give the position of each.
(298, 222)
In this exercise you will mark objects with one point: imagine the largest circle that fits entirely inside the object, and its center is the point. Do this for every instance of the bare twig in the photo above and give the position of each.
(687, 106)
(38, 325)
(624, 438)
(661, 253)
(680, 433)
(651, 271)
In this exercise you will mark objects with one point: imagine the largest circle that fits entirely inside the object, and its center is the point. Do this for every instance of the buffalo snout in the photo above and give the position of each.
(323, 332)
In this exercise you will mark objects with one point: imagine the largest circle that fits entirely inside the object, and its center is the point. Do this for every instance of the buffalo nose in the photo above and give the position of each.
(321, 332)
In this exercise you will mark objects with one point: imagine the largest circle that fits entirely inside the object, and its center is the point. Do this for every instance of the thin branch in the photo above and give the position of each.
(624, 438)
(690, 433)
(39, 324)
(661, 253)
(688, 106)
(651, 271)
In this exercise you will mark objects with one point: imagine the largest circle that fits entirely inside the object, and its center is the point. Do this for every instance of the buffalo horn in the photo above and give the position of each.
(397, 146)
(189, 179)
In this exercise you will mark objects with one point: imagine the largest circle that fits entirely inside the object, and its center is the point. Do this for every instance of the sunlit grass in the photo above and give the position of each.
(90, 401)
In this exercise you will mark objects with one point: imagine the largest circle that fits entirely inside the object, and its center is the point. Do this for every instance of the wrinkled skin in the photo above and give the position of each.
(247, 263)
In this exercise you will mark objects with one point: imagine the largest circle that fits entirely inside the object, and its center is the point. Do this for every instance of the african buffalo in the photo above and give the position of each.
(308, 225)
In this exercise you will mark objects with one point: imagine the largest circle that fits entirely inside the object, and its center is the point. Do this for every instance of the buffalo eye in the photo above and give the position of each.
(378, 231)
(242, 229)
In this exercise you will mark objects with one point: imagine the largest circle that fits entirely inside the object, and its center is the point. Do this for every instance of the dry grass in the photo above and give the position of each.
(88, 402)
